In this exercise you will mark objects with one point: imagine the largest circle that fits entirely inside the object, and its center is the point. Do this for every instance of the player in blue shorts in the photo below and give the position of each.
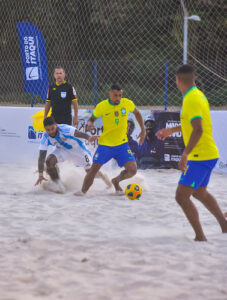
(113, 142)
(200, 155)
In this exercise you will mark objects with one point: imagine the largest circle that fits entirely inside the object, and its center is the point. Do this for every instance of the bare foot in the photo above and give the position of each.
(200, 239)
(116, 185)
(224, 227)
(79, 193)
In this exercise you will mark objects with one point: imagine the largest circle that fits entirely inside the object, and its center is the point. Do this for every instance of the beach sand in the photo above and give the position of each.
(59, 246)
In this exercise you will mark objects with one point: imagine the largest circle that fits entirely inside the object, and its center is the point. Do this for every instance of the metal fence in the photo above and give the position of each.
(135, 43)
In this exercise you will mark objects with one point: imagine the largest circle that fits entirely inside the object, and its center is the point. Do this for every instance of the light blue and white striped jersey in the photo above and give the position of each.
(64, 140)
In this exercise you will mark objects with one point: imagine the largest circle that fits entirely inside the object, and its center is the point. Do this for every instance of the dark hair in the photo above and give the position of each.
(59, 67)
(186, 74)
(116, 86)
(49, 121)
(130, 120)
(185, 69)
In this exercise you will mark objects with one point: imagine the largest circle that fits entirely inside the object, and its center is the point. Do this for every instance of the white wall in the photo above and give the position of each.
(17, 146)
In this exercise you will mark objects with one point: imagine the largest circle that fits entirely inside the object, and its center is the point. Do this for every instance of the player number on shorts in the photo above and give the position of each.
(86, 158)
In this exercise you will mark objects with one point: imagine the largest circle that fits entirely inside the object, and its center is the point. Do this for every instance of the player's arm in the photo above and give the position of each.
(197, 132)
(139, 119)
(85, 136)
(75, 108)
(47, 104)
(47, 108)
(163, 133)
(41, 162)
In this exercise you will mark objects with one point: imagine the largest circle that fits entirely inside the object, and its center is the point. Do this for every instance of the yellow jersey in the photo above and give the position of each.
(115, 121)
(195, 105)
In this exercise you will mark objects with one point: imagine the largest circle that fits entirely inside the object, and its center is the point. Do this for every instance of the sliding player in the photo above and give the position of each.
(68, 146)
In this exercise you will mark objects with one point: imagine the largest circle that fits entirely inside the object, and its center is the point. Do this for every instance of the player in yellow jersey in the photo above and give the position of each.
(113, 142)
(200, 155)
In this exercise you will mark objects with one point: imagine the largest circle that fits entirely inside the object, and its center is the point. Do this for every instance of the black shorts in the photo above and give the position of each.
(61, 119)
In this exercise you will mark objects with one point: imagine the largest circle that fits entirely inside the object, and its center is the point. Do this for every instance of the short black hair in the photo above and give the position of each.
(185, 69)
(186, 74)
(49, 121)
(59, 67)
(116, 86)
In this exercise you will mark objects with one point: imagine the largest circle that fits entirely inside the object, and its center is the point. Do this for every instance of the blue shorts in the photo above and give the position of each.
(197, 173)
(121, 153)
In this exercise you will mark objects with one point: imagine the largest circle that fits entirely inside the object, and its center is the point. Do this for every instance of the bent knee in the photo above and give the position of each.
(133, 170)
(51, 161)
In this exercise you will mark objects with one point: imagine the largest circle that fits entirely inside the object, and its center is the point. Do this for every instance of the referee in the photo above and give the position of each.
(61, 96)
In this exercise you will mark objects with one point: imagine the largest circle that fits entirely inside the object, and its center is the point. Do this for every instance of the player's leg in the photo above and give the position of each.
(90, 176)
(124, 158)
(51, 167)
(102, 176)
(88, 163)
(190, 181)
(211, 204)
(129, 171)
(183, 194)
(102, 155)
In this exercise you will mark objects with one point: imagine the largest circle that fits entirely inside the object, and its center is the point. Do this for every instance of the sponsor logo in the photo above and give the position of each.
(63, 94)
(5, 133)
(30, 50)
(222, 165)
(34, 136)
(171, 124)
(107, 114)
(166, 157)
(32, 73)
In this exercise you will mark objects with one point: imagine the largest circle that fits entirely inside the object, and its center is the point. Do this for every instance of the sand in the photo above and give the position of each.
(58, 246)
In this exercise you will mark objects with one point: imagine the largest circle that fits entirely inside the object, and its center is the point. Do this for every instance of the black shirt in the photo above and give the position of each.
(61, 97)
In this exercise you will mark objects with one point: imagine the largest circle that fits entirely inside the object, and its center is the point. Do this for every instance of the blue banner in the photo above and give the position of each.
(33, 58)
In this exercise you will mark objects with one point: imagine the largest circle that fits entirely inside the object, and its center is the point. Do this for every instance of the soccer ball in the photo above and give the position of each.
(133, 191)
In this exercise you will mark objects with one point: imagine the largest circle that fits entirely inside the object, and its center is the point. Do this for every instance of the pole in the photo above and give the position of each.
(166, 85)
(185, 43)
(95, 82)
(185, 51)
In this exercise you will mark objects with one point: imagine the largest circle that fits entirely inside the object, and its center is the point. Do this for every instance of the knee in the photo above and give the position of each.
(179, 197)
(200, 194)
(51, 161)
(133, 170)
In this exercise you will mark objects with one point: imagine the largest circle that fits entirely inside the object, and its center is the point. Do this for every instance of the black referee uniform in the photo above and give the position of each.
(61, 97)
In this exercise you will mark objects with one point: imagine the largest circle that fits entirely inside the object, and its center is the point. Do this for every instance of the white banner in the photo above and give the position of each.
(19, 142)
(219, 121)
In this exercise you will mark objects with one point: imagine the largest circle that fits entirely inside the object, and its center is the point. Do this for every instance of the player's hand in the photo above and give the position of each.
(90, 126)
(40, 179)
(183, 162)
(163, 133)
(75, 120)
(141, 136)
(93, 138)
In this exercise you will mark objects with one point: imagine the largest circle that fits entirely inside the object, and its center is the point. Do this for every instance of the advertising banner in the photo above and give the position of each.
(173, 145)
(19, 143)
(33, 59)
